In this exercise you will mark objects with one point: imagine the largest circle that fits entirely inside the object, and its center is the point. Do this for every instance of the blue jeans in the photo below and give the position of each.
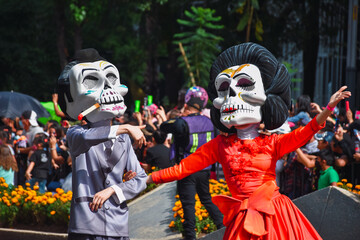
(41, 182)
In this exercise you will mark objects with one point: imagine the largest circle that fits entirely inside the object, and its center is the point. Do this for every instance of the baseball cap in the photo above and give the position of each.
(326, 136)
(31, 116)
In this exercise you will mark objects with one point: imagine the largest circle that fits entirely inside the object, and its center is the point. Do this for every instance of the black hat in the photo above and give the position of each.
(327, 155)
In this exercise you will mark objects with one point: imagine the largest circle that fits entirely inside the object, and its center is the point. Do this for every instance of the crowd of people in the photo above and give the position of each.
(25, 143)
(38, 154)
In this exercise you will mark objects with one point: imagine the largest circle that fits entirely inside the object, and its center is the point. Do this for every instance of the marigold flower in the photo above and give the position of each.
(339, 184)
(59, 191)
(349, 185)
(182, 220)
(344, 180)
(27, 184)
(52, 212)
(172, 224)
(36, 187)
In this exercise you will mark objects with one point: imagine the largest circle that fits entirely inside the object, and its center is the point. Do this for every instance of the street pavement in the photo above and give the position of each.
(151, 214)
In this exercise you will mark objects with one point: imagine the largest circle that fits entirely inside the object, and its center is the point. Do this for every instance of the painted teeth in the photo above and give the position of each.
(110, 99)
(233, 108)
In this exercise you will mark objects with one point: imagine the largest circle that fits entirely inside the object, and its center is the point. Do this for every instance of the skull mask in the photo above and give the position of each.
(240, 95)
(96, 82)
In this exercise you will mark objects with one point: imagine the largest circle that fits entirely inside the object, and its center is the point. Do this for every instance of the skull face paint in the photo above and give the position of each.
(240, 95)
(96, 82)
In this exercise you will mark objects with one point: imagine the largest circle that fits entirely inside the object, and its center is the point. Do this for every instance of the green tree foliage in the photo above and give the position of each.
(28, 57)
(200, 45)
(248, 9)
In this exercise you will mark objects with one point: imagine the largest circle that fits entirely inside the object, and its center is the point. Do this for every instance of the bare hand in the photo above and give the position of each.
(137, 116)
(338, 96)
(149, 180)
(129, 175)
(55, 97)
(28, 176)
(137, 135)
(161, 112)
(315, 107)
(100, 198)
(356, 156)
(52, 142)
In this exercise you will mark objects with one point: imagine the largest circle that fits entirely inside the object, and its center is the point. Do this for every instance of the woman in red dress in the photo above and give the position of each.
(248, 86)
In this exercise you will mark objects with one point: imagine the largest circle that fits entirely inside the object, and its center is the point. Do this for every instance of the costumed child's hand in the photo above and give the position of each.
(137, 135)
(100, 198)
(149, 180)
(338, 96)
(129, 175)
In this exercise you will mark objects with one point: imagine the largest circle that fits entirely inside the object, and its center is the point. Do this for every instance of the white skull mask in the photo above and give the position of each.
(240, 95)
(96, 82)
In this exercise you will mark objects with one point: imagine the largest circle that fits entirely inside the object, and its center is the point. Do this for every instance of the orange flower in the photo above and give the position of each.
(52, 212)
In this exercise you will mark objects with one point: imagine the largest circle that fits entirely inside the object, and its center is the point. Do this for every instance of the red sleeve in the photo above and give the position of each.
(299, 137)
(200, 159)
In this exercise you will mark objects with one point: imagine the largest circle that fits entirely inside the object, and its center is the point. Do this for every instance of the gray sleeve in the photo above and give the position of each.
(81, 139)
(136, 185)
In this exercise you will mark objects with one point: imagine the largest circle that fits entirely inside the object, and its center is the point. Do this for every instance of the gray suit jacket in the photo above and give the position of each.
(93, 172)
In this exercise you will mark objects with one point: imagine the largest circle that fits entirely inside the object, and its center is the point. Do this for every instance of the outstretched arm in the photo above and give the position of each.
(334, 100)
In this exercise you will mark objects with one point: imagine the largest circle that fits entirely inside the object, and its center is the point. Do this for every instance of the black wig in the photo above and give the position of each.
(275, 77)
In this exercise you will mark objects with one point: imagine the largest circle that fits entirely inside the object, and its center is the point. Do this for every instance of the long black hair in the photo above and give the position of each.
(275, 77)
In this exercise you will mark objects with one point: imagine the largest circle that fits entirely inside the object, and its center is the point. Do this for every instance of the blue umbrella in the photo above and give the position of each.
(13, 104)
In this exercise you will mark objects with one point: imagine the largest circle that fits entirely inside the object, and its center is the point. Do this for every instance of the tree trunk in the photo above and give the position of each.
(310, 45)
(77, 37)
(60, 28)
(151, 74)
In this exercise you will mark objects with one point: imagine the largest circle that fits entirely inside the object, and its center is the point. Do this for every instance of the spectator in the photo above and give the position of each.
(159, 154)
(191, 131)
(8, 166)
(323, 139)
(21, 143)
(328, 175)
(60, 155)
(40, 163)
(31, 126)
(302, 111)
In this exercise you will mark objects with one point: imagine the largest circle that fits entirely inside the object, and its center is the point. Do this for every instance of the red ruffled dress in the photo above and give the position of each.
(256, 209)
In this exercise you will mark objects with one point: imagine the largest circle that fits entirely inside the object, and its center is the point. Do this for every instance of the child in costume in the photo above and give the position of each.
(248, 86)
(90, 87)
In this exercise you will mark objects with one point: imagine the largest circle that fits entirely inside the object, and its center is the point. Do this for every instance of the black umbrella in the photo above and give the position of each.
(13, 104)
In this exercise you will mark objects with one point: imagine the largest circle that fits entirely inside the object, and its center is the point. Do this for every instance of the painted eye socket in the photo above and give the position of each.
(112, 78)
(224, 86)
(90, 81)
(245, 83)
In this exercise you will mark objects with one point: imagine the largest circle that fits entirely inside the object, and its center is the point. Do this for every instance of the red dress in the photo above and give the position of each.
(256, 209)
